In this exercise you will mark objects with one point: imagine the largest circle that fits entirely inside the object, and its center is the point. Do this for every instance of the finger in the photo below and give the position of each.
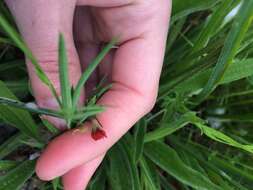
(105, 68)
(135, 76)
(104, 3)
(87, 45)
(40, 24)
(78, 178)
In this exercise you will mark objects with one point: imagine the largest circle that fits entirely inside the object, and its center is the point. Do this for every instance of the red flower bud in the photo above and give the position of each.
(98, 134)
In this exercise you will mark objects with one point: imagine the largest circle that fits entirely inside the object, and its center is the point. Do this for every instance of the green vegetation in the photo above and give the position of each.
(198, 136)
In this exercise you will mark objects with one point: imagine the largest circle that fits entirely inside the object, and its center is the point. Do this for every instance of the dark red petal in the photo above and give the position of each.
(98, 134)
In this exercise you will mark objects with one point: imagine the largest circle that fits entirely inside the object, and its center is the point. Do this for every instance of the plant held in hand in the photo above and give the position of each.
(69, 110)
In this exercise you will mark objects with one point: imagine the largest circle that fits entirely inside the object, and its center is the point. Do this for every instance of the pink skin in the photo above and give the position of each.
(134, 70)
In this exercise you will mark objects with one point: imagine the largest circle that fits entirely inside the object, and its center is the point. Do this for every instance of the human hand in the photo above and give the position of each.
(134, 70)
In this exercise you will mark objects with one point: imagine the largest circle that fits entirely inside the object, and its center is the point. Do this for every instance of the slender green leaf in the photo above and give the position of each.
(16, 117)
(214, 22)
(151, 174)
(165, 184)
(6, 13)
(31, 107)
(238, 70)
(170, 128)
(227, 166)
(198, 151)
(125, 145)
(139, 139)
(11, 65)
(20, 43)
(232, 43)
(11, 144)
(99, 180)
(64, 76)
(174, 33)
(50, 127)
(117, 172)
(184, 8)
(5, 41)
(16, 178)
(89, 111)
(92, 66)
(221, 137)
(56, 183)
(6, 165)
(158, 152)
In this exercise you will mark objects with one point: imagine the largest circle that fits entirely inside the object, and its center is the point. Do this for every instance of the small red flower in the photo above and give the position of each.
(97, 131)
(98, 134)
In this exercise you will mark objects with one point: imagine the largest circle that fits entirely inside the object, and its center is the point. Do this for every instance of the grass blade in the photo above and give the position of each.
(166, 130)
(64, 76)
(214, 23)
(184, 8)
(56, 183)
(20, 43)
(92, 66)
(141, 127)
(6, 165)
(5, 41)
(31, 107)
(11, 144)
(126, 149)
(117, 171)
(16, 117)
(15, 179)
(150, 173)
(232, 43)
(158, 152)
(222, 138)
(205, 156)
(238, 70)
(99, 180)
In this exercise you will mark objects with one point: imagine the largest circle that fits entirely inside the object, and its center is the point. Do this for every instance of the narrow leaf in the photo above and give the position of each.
(184, 8)
(169, 128)
(151, 174)
(6, 165)
(11, 144)
(215, 21)
(16, 178)
(238, 70)
(158, 152)
(222, 138)
(92, 66)
(141, 127)
(16, 117)
(31, 107)
(232, 43)
(15, 37)
(64, 76)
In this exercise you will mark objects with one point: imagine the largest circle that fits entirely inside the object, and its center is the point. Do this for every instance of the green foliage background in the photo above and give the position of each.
(198, 136)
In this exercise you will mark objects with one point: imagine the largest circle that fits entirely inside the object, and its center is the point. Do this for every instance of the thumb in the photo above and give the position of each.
(40, 23)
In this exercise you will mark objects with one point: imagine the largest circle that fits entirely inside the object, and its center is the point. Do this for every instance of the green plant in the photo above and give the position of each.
(68, 102)
(198, 136)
